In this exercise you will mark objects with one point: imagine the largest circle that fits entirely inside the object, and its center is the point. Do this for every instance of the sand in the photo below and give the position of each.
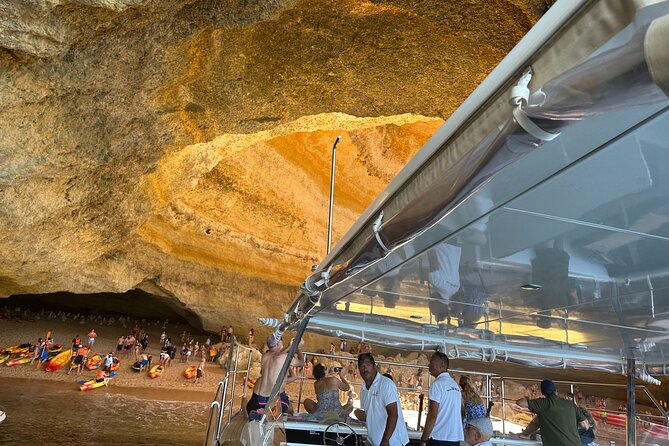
(18, 331)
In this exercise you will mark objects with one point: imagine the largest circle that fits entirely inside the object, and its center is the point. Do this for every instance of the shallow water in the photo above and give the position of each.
(46, 413)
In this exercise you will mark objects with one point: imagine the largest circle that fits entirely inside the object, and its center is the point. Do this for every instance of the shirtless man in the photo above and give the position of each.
(270, 366)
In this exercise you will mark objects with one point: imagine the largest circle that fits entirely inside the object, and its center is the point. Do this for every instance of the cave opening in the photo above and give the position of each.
(134, 304)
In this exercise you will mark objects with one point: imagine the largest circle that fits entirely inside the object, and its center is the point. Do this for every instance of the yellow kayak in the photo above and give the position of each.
(19, 360)
(59, 361)
(90, 385)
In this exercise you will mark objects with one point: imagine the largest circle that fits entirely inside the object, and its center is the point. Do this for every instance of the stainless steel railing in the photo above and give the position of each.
(223, 403)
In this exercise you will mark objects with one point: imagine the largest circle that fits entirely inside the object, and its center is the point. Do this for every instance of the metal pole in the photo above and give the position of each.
(503, 410)
(299, 396)
(234, 379)
(332, 182)
(248, 372)
(284, 368)
(631, 401)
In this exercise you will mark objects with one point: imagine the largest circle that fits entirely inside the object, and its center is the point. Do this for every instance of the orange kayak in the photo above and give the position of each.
(94, 362)
(190, 372)
(59, 361)
(156, 371)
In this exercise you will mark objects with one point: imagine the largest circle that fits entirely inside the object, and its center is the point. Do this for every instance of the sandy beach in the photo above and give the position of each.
(18, 331)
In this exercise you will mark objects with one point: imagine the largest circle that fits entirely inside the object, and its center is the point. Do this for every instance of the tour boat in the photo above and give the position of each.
(532, 228)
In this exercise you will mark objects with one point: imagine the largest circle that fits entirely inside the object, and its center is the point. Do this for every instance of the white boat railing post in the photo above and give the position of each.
(503, 409)
(234, 377)
(248, 371)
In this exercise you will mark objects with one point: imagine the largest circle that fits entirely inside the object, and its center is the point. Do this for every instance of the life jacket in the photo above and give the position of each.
(100, 374)
(81, 351)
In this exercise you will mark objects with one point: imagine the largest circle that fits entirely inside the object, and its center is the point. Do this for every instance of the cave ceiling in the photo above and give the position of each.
(183, 147)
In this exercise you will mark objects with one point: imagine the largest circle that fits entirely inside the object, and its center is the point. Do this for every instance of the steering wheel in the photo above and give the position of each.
(337, 434)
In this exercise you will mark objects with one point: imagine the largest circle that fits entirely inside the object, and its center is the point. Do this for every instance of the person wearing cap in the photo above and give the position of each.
(443, 426)
(556, 417)
(478, 432)
(270, 368)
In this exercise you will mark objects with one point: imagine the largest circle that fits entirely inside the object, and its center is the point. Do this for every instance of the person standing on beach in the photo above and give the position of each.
(229, 334)
(109, 360)
(200, 372)
(38, 350)
(44, 354)
(119, 345)
(91, 338)
(163, 336)
(79, 359)
(75, 343)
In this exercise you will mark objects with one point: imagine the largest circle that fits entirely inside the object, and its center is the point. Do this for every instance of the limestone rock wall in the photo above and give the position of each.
(182, 147)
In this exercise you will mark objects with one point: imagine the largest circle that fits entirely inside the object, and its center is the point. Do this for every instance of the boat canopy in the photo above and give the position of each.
(533, 227)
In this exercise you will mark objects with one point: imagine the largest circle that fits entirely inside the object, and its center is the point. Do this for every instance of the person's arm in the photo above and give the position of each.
(299, 361)
(432, 411)
(343, 385)
(391, 423)
(531, 428)
(360, 414)
(292, 376)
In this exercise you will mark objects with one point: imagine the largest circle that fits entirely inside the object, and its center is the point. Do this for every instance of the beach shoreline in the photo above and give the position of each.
(171, 385)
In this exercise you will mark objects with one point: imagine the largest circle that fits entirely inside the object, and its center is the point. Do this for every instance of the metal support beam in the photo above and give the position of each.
(631, 402)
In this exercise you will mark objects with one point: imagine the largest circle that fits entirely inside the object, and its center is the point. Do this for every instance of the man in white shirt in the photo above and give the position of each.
(478, 432)
(443, 426)
(381, 408)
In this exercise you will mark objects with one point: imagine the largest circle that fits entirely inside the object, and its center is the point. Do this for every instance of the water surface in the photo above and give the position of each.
(57, 414)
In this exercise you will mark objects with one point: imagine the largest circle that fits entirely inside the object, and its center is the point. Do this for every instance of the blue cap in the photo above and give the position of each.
(547, 387)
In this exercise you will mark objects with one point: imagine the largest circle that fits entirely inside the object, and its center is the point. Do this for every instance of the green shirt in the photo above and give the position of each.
(558, 420)
(585, 413)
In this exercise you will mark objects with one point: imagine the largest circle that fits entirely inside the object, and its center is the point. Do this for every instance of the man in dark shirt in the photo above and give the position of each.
(557, 417)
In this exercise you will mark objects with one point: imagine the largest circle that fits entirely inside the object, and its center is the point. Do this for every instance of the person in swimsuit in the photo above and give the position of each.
(327, 391)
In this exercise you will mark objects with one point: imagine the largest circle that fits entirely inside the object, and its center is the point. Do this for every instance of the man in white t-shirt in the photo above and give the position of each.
(443, 426)
(381, 408)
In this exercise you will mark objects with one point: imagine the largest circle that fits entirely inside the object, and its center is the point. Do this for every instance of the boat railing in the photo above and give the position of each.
(611, 417)
(224, 399)
(419, 392)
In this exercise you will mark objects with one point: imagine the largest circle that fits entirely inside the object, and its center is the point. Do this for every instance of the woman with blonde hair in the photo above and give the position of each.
(472, 404)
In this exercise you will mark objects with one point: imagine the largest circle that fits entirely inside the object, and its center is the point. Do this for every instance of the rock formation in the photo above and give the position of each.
(183, 147)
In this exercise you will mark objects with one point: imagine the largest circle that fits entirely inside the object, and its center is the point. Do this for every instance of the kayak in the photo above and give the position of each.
(55, 349)
(23, 348)
(19, 360)
(90, 385)
(156, 371)
(115, 364)
(9, 350)
(94, 362)
(58, 361)
(135, 366)
(190, 372)
(4, 357)
(250, 383)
